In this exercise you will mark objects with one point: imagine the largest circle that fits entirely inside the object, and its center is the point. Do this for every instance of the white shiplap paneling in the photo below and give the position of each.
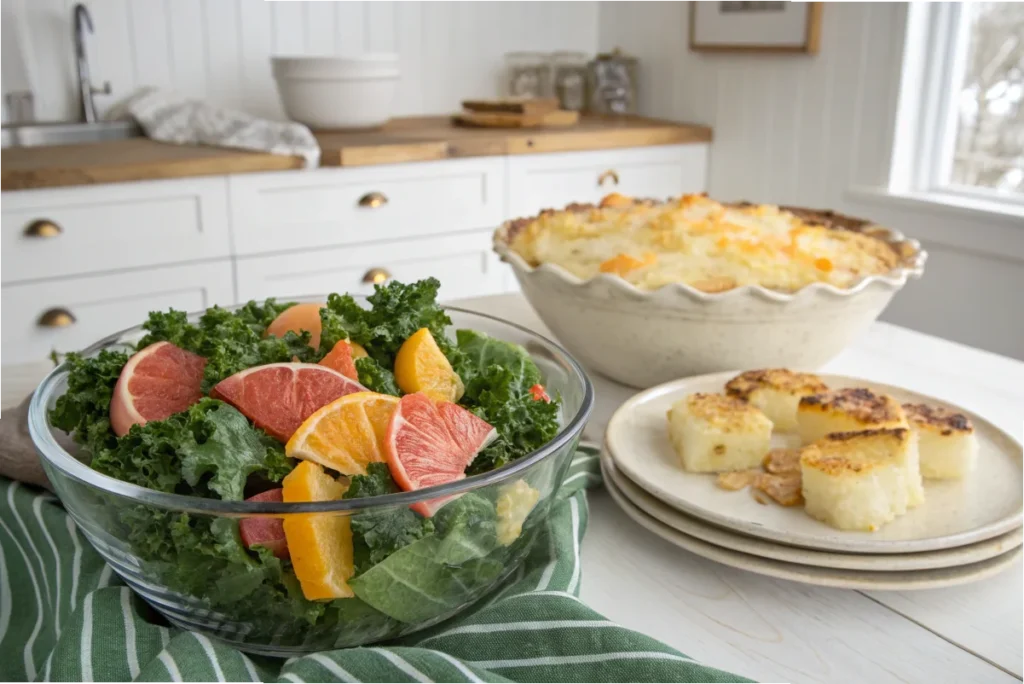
(220, 49)
(799, 129)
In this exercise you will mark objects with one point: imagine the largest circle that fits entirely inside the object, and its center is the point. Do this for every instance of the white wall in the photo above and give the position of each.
(220, 49)
(806, 129)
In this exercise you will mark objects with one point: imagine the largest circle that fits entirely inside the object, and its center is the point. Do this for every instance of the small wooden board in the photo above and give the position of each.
(512, 105)
(557, 118)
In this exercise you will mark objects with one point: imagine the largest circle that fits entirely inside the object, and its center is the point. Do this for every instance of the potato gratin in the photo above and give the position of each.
(709, 245)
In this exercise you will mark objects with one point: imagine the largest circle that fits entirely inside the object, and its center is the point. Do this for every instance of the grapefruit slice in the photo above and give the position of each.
(156, 383)
(429, 444)
(421, 366)
(342, 358)
(267, 532)
(320, 544)
(296, 319)
(278, 397)
(345, 435)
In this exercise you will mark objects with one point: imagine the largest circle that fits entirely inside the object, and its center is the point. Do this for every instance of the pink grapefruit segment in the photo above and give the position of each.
(278, 397)
(156, 383)
(340, 359)
(429, 444)
(267, 532)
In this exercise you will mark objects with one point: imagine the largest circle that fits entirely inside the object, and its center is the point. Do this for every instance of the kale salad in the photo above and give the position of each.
(288, 402)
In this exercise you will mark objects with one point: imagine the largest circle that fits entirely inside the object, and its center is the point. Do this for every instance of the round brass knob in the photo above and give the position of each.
(372, 200)
(376, 276)
(57, 318)
(610, 174)
(43, 228)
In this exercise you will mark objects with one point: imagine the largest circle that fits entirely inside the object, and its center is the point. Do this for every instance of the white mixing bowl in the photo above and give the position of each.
(337, 92)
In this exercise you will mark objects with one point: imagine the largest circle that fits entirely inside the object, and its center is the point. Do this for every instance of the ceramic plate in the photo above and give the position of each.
(864, 580)
(983, 505)
(961, 555)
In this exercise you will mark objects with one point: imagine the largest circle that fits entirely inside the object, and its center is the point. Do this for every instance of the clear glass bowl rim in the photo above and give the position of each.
(57, 457)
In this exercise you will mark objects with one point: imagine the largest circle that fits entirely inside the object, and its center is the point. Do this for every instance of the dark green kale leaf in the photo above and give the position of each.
(230, 341)
(480, 351)
(228, 447)
(378, 534)
(376, 378)
(84, 409)
(397, 311)
(210, 439)
(467, 528)
(498, 376)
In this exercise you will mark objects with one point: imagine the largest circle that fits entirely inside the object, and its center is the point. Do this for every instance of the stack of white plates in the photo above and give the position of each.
(965, 531)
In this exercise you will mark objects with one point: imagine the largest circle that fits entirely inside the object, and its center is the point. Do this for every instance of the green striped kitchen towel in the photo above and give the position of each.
(64, 616)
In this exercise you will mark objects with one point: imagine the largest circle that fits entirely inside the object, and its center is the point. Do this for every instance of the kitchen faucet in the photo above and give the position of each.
(83, 21)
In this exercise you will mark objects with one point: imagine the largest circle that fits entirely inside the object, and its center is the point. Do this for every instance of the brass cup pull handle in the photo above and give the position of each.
(610, 174)
(43, 228)
(376, 276)
(57, 318)
(372, 200)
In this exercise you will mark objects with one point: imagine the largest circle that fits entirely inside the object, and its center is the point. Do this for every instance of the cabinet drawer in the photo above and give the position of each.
(73, 231)
(551, 181)
(464, 264)
(326, 207)
(83, 310)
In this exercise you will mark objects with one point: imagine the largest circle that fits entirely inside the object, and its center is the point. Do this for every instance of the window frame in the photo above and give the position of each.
(934, 59)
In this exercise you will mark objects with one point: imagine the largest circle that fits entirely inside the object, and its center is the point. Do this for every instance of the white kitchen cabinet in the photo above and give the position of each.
(464, 263)
(92, 229)
(80, 263)
(328, 207)
(71, 313)
(551, 181)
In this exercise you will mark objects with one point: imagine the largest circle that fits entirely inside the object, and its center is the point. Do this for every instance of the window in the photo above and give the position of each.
(960, 129)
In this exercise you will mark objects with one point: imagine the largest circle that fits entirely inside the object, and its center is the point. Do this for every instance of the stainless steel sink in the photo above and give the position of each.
(67, 133)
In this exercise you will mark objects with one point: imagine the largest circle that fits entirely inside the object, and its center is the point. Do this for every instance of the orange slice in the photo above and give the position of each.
(296, 319)
(345, 435)
(320, 545)
(342, 358)
(421, 366)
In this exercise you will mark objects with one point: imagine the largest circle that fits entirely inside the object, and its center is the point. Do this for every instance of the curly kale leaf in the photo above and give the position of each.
(378, 534)
(397, 311)
(230, 341)
(84, 409)
(376, 378)
(499, 376)
(209, 450)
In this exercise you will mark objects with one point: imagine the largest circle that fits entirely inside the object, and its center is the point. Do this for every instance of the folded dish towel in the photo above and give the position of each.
(70, 618)
(18, 458)
(170, 118)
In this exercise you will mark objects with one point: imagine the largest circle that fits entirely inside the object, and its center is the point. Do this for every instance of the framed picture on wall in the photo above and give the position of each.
(755, 26)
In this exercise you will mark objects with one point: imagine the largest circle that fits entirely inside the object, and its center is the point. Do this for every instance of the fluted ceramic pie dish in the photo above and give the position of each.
(645, 337)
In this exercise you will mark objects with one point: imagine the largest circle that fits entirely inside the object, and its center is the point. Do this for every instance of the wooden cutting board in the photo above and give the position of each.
(512, 105)
(556, 118)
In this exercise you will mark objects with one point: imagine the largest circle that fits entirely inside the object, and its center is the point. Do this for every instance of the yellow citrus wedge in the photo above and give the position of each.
(320, 545)
(345, 435)
(513, 506)
(421, 366)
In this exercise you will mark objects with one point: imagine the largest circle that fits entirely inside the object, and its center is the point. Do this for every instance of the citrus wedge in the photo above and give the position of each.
(267, 532)
(431, 443)
(421, 366)
(156, 383)
(296, 319)
(342, 358)
(278, 397)
(320, 545)
(345, 435)
(514, 503)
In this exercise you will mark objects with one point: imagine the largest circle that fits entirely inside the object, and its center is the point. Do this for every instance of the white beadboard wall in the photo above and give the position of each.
(220, 49)
(806, 129)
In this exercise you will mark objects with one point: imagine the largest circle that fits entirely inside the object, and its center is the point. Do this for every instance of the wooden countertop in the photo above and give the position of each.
(401, 140)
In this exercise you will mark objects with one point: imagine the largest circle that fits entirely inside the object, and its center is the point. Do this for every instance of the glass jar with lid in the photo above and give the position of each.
(612, 83)
(569, 70)
(528, 74)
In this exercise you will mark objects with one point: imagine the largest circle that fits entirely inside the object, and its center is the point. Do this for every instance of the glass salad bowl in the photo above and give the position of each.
(184, 555)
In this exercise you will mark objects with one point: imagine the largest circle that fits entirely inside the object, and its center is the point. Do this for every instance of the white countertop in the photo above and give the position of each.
(775, 630)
